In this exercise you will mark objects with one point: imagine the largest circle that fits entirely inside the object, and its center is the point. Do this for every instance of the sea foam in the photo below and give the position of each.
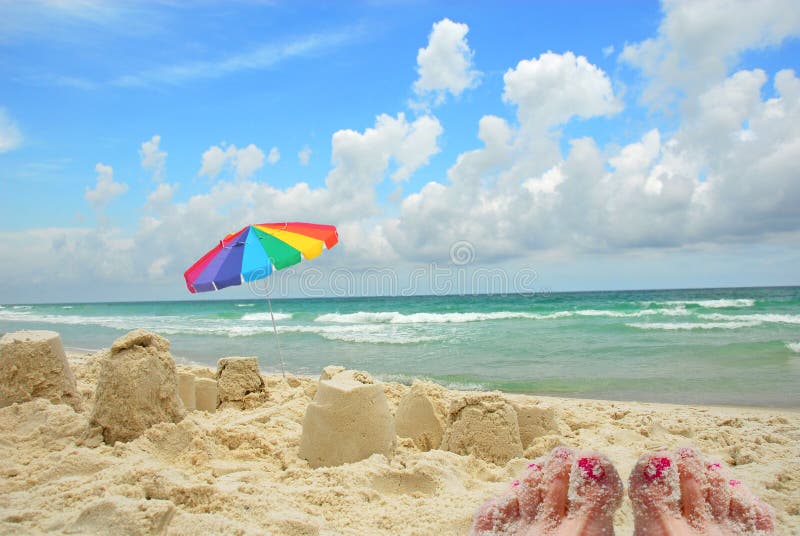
(793, 346)
(693, 325)
(709, 304)
(260, 317)
(761, 317)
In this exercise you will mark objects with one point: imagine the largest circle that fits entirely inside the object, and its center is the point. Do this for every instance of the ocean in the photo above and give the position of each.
(737, 346)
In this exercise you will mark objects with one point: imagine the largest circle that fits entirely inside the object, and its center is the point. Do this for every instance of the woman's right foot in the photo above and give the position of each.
(676, 494)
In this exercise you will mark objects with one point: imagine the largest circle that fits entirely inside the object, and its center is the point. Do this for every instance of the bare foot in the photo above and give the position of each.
(566, 493)
(682, 493)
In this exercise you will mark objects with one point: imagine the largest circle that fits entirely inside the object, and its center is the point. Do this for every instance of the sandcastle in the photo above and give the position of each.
(484, 425)
(239, 383)
(422, 415)
(348, 420)
(137, 387)
(33, 365)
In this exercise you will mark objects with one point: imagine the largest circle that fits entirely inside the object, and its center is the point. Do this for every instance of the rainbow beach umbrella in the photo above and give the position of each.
(255, 252)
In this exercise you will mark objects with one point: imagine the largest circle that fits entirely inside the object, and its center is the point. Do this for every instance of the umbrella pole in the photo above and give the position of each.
(275, 330)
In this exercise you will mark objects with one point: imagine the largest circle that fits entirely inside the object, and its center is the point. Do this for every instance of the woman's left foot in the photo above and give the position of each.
(566, 493)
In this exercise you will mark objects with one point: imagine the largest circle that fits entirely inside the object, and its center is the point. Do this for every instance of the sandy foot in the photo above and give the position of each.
(682, 493)
(566, 493)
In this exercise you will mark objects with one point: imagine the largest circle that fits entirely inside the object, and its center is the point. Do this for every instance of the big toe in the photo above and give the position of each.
(655, 493)
(595, 490)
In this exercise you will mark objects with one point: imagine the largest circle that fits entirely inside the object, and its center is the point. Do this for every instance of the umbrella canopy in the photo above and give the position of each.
(255, 251)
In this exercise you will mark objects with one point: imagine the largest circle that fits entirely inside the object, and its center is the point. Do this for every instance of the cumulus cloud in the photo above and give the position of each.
(274, 156)
(161, 196)
(153, 158)
(105, 189)
(551, 89)
(304, 155)
(445, 65)
(725, 175)
(698, 41)
(10, 136)
(243, 162)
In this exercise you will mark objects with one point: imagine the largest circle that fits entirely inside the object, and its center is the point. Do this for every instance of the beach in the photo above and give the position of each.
(238, 471)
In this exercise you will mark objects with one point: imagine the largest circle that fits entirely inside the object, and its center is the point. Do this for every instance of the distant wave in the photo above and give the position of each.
(395, 317)
(23, 307)
(66, 307)
(710, 304)
(693, 325)
(245, 304)
(793, 346)
(762, 317)
(260, 317)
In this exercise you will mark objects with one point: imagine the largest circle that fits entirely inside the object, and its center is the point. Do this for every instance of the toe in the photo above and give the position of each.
(718, 491)
(749, 513)
(529, 491)
(497, 516)
(655, 493)
(595, 489)
(693, 484)
(555, 484)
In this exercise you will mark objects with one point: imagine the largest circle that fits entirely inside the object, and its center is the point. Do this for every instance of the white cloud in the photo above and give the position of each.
(161, 196)
(304, 155)
(153, 158)
(10, 136)
(244, 162)
(699, 40)
(553, 88)
(105, 189)
(608, 50)
(445, 65)
(274, 156)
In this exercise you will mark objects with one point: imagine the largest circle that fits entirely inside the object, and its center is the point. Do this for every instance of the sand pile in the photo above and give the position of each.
(422, 415)
(348, 420)
(240, 471)
(239, 383)
(137, 387)
(33, 364)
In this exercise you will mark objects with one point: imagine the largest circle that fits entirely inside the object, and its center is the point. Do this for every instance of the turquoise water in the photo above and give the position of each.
(713, 346)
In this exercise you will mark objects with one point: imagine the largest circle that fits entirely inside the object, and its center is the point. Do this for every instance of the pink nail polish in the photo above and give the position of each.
(734, 482)
(655, 469)
(534, 466)
(515, 484)
(591, 468)
(714, 466)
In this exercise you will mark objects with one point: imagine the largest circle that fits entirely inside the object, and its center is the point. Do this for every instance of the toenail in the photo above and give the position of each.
(591, 468)
(714, 466)
(655, 469)
(534, 466)
(734, 482)
(515, 484)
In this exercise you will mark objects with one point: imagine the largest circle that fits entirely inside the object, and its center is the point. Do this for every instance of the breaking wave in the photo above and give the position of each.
(693, 325)
(793, 346)
(762, 317)
(395, 317)
(260, 317)
(710, 304)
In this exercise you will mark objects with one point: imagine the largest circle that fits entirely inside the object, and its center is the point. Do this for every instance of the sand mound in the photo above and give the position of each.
(205, 394)
(137, 387)
(186, 390)
(239, 383)
(126, 516)
(348, 420)
(33, 365)
(535, 419)
(484, 425)
(422, 415)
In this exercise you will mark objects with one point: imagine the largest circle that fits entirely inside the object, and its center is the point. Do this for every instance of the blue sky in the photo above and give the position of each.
(622, 145)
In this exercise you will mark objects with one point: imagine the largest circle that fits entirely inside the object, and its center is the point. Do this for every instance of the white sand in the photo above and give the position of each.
(238, 471)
